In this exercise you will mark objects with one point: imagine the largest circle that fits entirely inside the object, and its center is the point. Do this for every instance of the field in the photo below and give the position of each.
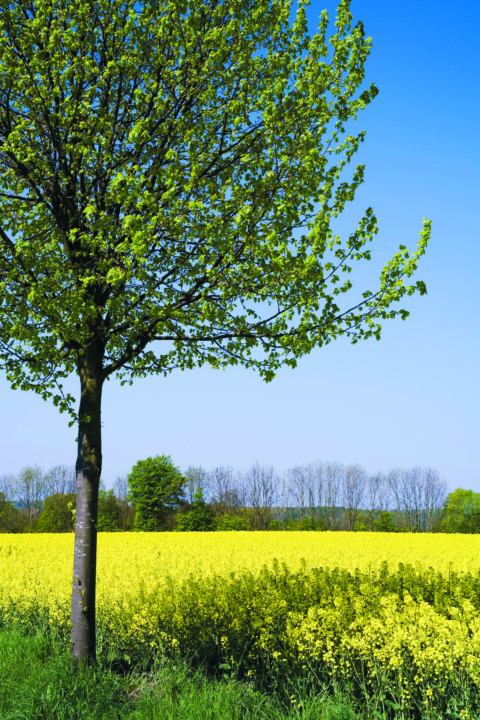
(395, 618)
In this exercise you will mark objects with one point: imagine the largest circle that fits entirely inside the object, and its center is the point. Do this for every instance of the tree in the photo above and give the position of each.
(127, 512)
(298, 485)
(434, 491)
(200, 517)
(30, 493)
(385, 522)
(10, 519)
(108, 511)
(333, 474)
(60, 479)
(260, 487)
(56, 516)
(461, 512)
(354, 482)
(169, 176)
(377, 496)
(7, 487)
(196, 477)
(156, 490)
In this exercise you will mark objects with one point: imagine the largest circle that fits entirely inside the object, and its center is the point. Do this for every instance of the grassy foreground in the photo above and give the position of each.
(38, 681)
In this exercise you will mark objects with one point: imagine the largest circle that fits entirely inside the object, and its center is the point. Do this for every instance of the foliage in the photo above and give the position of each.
(199, 518)
(252, 141)
(156, 489)
(461, 512)
(231, 522)
(108, 511)
(385, 522)
(10, 517)
(56, 515)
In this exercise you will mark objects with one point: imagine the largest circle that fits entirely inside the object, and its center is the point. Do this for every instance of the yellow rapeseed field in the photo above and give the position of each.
(38, 568)
(407, 632)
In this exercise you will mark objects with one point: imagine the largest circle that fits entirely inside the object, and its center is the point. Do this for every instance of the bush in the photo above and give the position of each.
(108, 511)
(231, 522)
(57, 516)
(385, 523)
(200, 518)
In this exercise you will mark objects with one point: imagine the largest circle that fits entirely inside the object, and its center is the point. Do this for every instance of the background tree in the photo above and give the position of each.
(385, 522)
(298, 483)
(227, 494)
(199, 518)
(60, 479)
(10, 517)
(30, 493)
(461, 512)
(156, 488)
(127, 511)
(353, 490)
(196, 477)
(434, 494)
(7, 487)
(108, 511)
(333, 474)
(56, 516)
(260, 484)
(377, 495)
(169, 174)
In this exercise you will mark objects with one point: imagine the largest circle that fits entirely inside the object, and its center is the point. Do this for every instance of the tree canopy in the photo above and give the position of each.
(156, 167)
(156, 489)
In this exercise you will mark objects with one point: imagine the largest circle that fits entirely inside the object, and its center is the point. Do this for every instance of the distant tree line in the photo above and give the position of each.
(157, 496)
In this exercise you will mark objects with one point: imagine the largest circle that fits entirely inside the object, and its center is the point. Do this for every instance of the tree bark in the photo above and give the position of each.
(88, 470)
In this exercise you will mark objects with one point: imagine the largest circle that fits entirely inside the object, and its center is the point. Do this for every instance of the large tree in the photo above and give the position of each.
(170, 171)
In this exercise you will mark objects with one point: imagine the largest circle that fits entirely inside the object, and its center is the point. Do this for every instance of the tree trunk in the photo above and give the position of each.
(88, 469)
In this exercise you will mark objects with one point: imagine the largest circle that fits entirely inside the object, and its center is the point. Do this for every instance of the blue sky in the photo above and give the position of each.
(410, 399)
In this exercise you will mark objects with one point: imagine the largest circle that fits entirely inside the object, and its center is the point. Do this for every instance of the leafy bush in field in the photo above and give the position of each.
(108, 511)
(231, 522)
(56, 516)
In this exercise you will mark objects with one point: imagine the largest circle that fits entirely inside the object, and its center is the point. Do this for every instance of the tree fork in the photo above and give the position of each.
(88, 470)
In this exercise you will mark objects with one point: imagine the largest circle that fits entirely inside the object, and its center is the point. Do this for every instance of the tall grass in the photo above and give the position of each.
(39, 681)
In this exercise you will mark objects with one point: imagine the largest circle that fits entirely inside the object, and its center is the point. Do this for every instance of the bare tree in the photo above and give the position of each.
(434, 494)
(395, 484)
(127, 511)
(282, 497)
(8, 487)
(260, 487)
(354, 481)
(377, 496)
(333, 473)
(413, 497)
(226, 491)
(30, 492)
(60, 479)
(196, 477)
(298, 484)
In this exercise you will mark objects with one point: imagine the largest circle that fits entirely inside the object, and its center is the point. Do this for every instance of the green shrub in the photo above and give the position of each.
(199, 518)
(231, 522)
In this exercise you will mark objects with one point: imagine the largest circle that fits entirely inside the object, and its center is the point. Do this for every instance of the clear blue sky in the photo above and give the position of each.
(412, 398)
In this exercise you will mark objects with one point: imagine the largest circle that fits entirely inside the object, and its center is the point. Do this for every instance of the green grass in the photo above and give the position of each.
(39, 681)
